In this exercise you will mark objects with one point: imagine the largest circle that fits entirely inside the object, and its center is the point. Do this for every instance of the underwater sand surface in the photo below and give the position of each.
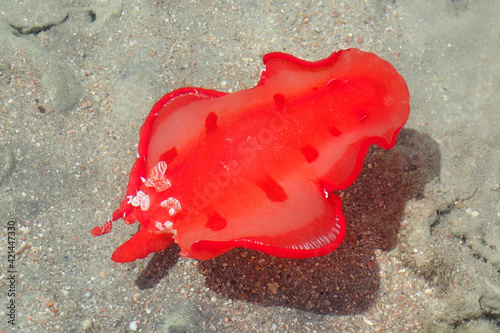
(423, 220)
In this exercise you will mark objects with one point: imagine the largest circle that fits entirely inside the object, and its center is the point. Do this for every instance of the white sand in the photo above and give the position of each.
(76, 81)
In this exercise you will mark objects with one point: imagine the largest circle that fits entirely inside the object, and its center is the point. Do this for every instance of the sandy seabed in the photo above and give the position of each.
(76, 82)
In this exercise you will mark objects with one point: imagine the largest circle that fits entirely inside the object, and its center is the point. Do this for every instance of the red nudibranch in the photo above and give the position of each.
(256, 168)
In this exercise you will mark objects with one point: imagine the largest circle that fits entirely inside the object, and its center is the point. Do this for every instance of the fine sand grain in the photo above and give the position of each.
(77, 78)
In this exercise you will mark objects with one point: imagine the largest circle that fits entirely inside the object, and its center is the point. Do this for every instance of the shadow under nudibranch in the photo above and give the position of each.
(347, 280)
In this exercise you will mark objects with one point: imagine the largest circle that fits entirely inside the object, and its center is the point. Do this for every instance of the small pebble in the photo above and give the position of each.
(273, 287)
(472, 212)
(86, 324)
(86, 104)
